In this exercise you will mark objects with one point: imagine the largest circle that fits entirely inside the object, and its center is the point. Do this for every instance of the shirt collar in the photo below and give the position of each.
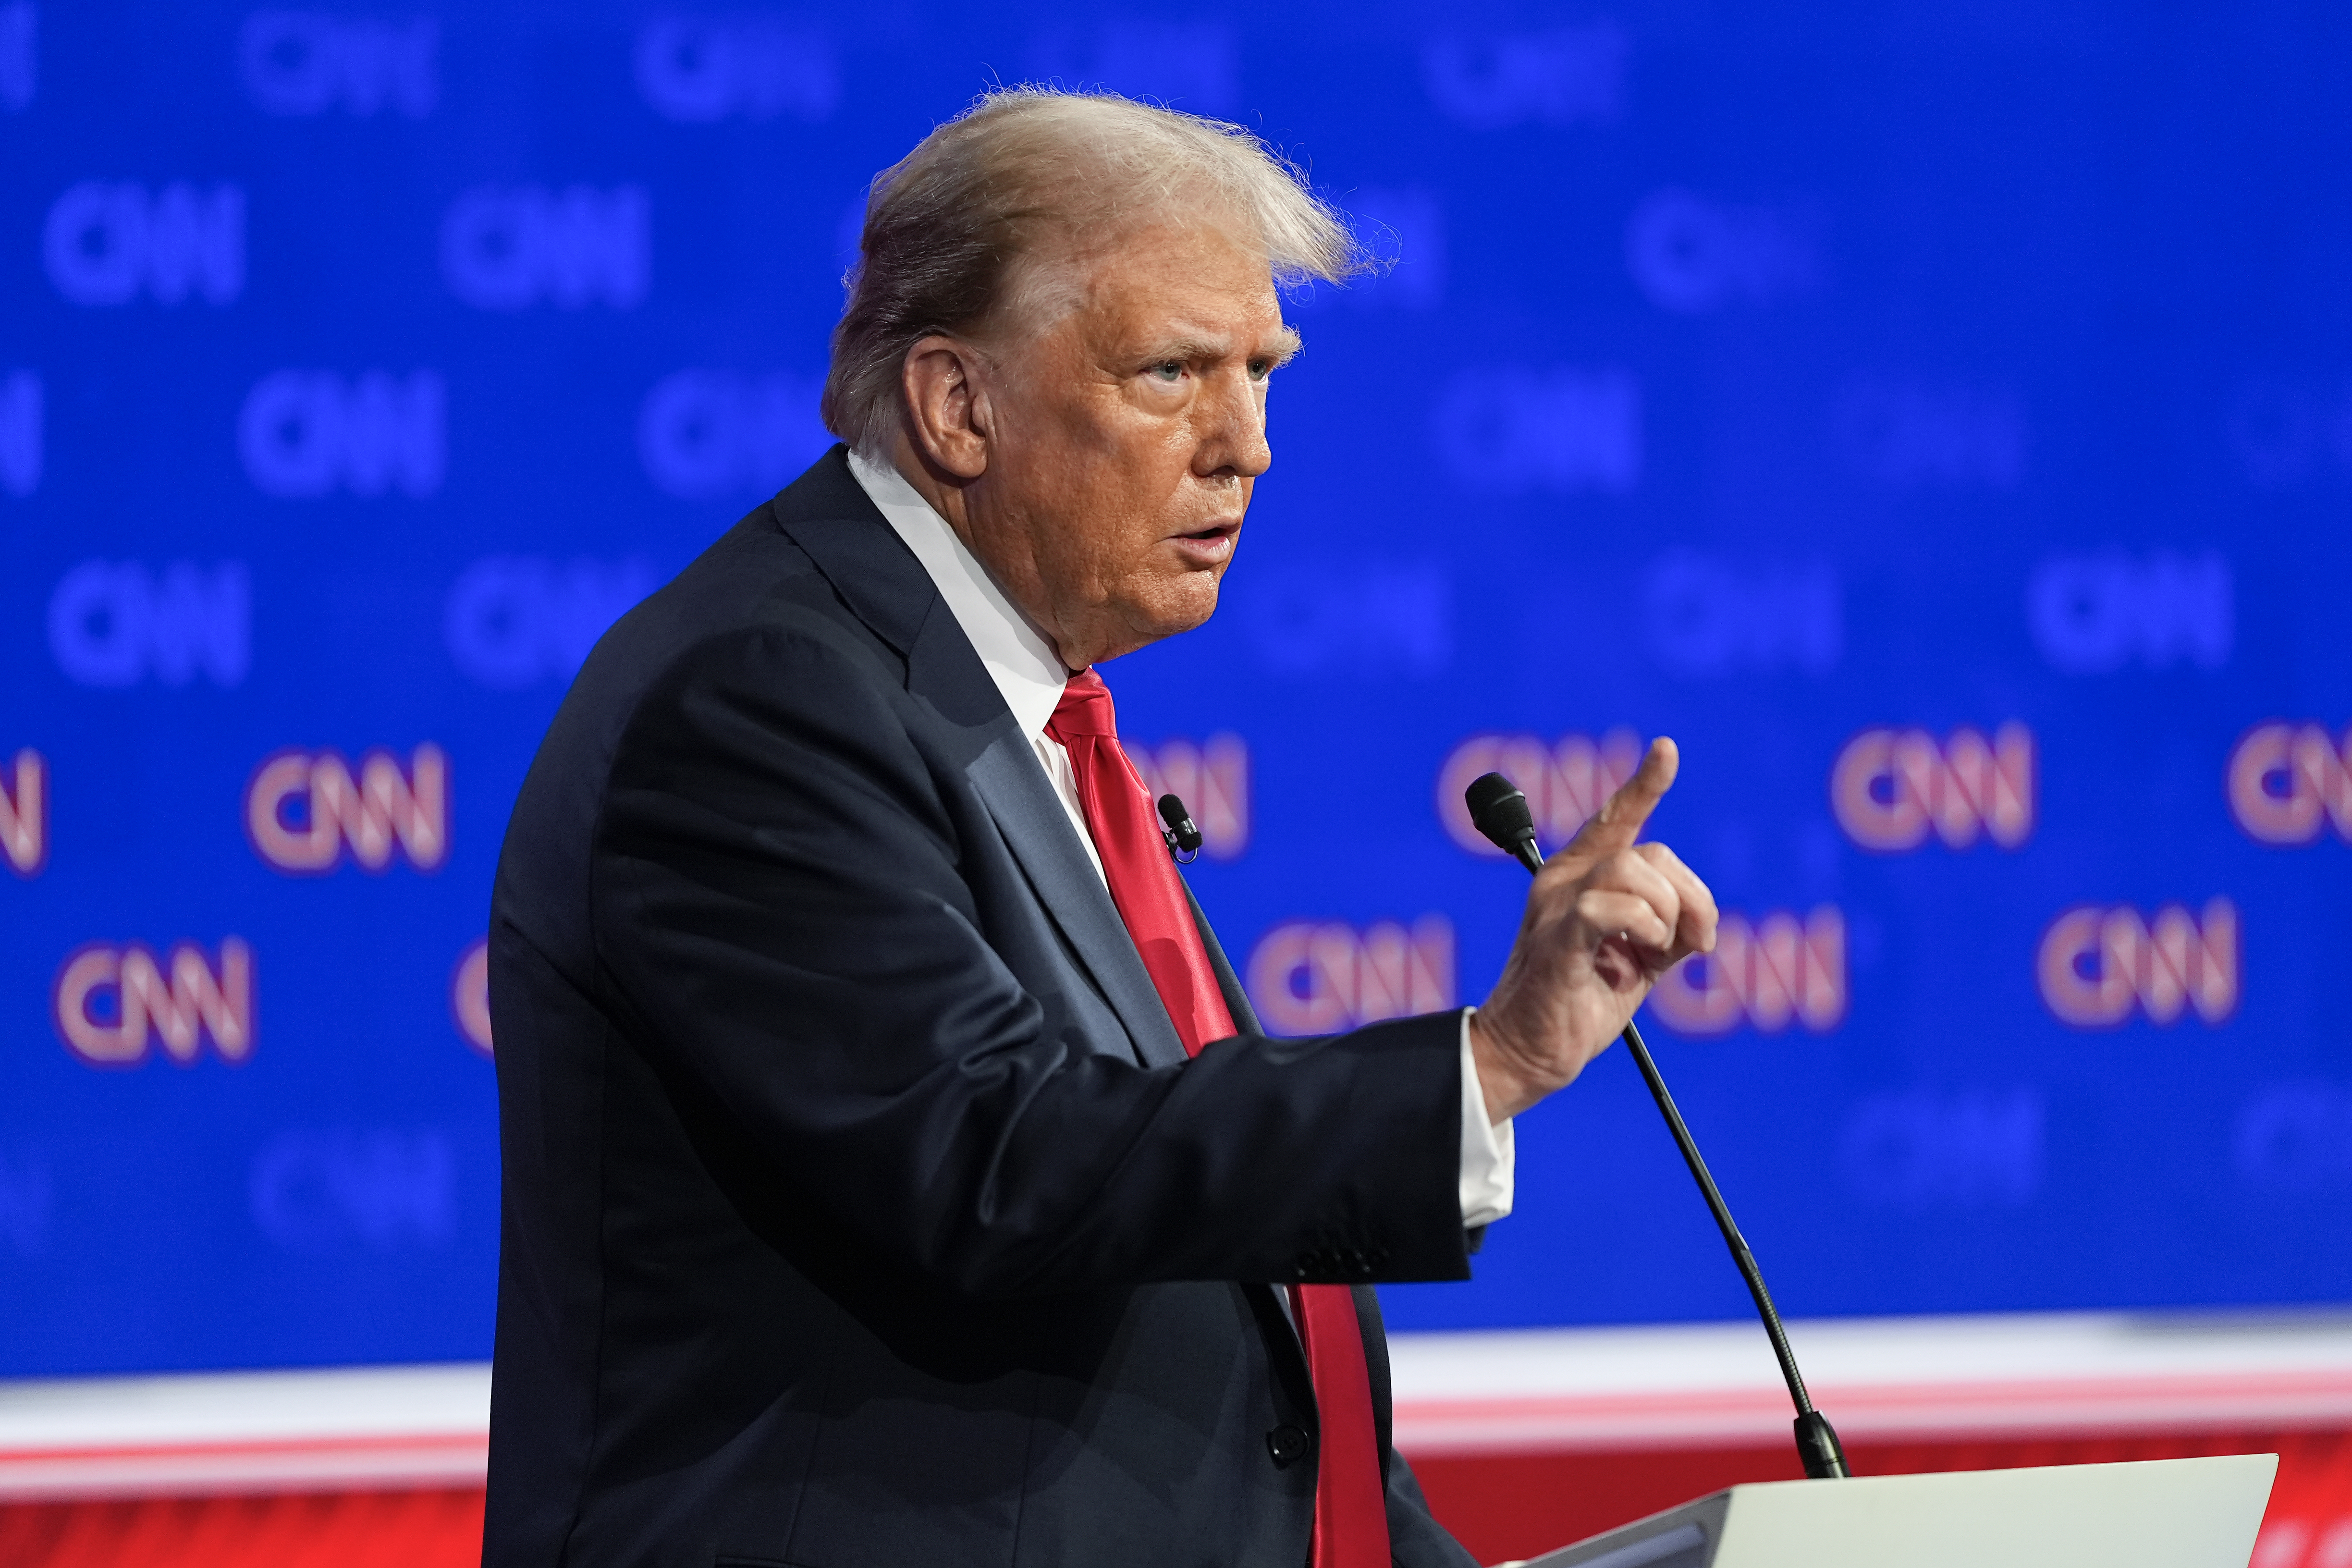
(1028, 673)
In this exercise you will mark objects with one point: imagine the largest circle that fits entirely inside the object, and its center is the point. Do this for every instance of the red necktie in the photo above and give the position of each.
(1352, 1524)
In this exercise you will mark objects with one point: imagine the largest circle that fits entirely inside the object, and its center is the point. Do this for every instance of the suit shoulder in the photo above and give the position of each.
(758, 576)
(753, 607)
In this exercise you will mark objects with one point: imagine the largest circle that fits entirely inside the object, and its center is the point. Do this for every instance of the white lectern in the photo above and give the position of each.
(2159, 1513)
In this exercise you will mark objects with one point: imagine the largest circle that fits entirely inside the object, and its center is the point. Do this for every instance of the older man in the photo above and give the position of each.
(895, 1173)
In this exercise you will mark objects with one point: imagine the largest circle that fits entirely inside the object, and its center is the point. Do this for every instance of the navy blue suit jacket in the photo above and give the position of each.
(861, 1206)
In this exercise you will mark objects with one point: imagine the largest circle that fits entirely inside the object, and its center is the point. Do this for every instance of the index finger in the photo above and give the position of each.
(1623, 814)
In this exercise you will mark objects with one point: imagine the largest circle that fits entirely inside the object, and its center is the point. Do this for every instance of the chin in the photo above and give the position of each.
(1190, 604)
(1171, 609)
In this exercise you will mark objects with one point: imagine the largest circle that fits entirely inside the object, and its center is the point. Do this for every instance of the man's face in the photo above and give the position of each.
(1124, 440)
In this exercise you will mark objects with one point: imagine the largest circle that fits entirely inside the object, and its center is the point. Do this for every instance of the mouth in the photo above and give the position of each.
(1208, 547)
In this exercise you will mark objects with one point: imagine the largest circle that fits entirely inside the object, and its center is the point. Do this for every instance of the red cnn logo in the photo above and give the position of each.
(110, 1001)
(24, 813)
(2097, 963)
(2284, 779)
(1314, 977)
(1565, 783)
(469, 996)
(304, 809)
(1212, 780)
(1766, 973)
(1891, 787)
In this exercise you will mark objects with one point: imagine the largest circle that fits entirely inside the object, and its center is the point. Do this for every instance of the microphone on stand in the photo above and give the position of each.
(1500, 812)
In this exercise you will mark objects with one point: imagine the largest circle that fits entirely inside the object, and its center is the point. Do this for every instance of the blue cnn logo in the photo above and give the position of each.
(108, 243)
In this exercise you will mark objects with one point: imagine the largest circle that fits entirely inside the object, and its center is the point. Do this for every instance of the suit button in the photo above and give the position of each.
(1286, 1443)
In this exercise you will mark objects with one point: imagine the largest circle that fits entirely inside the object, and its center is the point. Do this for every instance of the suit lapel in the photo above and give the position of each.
(829, 515)
(1229, 984)
(1030, 816)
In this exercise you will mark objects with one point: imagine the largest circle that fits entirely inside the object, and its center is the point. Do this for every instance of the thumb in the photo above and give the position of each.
(1622, 818)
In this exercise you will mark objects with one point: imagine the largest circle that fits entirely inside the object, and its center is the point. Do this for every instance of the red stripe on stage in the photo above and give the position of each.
(1502, 1505)
(420, 1529)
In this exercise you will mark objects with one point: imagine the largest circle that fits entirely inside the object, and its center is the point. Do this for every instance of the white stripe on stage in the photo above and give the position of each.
(1934, 1379)
(1684, 1386)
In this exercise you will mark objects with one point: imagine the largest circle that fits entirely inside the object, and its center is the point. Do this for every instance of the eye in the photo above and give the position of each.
(1259, 369)
(1170, 370)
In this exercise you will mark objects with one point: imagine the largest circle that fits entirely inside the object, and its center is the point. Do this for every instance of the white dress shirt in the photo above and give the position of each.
(1030, 675)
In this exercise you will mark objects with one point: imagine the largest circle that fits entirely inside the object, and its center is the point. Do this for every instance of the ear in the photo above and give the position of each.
(947, 409)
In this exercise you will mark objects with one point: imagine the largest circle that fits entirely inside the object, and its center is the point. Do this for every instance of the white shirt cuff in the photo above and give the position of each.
(1489, 1160)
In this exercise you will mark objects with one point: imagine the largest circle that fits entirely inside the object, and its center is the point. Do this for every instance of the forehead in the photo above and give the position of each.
(1190, 279)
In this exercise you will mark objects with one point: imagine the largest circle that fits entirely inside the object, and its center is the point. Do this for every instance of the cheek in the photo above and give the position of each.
(1105, 548)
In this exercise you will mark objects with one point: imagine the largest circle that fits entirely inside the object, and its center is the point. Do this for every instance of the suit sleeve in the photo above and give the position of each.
(781, 914)
(1415, 1538)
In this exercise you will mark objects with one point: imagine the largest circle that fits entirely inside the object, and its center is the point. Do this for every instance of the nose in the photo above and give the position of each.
(1232, 432)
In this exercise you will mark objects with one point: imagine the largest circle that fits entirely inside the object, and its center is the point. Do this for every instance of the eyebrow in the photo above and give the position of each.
(1284, 345)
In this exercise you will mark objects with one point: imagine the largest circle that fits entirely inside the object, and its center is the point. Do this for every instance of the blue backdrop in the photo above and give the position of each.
(1937, 415)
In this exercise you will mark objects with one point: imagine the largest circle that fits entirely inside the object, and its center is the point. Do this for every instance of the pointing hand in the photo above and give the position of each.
(1606, 917)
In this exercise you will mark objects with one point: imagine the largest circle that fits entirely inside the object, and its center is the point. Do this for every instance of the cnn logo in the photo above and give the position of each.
(304, 434)
(304, 811)
(469, 996)
(1767, 972)
(1565, 783)
(25, 813)
(1314, 977)
(1212, 779)
(105, 243)
(341, 1189)
(705, 433)
(703, 68)
(304, 63)
(1707, 617)
(1556, 77)
(111, 1004)
(1513, 428)
(507, 248)
(20, 432)
(1926, 1150)
(1690, 254)
(114, 623)
(2100, 963)
(512, 621)
(1891, 788)
(2287, 782)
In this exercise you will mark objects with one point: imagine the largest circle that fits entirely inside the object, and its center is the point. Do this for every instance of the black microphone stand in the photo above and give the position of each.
(1500, 812)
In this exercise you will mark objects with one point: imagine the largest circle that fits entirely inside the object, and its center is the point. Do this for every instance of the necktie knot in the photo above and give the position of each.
(1085, 709)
